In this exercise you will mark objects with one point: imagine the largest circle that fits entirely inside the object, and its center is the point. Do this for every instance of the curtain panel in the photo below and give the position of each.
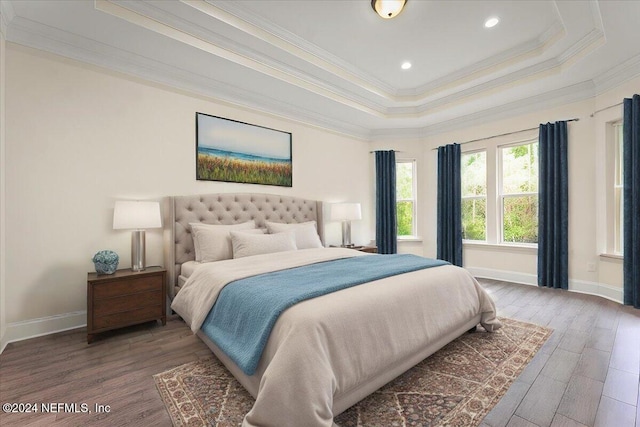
(631, 197)
(553, 206)
(449, 245)
(386, 229)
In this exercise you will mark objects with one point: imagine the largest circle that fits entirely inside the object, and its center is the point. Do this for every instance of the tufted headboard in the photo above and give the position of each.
(227, 208)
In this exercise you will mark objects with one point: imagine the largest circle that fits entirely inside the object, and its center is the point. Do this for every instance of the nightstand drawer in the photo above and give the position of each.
(103, 307)
(127, 317)
(127, 287)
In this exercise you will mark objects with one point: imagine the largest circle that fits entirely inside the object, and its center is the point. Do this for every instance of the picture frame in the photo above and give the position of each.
(233, 151)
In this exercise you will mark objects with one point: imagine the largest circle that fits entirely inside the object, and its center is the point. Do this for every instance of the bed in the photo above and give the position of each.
(326, 353)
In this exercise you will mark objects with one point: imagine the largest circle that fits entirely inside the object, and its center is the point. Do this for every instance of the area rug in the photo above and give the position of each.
(456, 386)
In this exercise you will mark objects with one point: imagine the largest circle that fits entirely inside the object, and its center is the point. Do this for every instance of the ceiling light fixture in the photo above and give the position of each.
(491, 22)
(406, 65)
(388, 9)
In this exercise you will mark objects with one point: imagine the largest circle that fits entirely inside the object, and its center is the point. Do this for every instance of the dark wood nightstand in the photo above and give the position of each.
(369, 249)
(125, 298)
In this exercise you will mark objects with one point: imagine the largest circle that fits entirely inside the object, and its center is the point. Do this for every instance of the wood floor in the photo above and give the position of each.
(585, 375)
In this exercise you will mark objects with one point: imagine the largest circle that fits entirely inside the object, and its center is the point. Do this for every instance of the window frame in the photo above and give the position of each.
(618, 189)
(486, 193)
(500, 196)
(413, 200)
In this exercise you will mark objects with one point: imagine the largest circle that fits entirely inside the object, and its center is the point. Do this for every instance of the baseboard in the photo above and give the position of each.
(598, 289)
(18, 331)
(507, 276)
(580, 286)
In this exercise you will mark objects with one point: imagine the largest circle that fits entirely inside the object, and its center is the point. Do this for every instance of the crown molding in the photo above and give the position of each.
(617, 75)
(6, 16)
(563, 96)
(255, 25)
(198, 43)
(240, 18)
(38, 36)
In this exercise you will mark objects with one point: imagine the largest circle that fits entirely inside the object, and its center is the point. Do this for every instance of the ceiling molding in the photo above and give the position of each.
(563, 96)
(290, 43)
(47, 38)
(254, 24)
(617, 75)
(334, 93)
(6, 16)
(38, 36)
(136, 18)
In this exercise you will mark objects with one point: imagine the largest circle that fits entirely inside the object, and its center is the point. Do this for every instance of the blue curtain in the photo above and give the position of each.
(449, 205)
(631, 182)
(553, 207)
(386, 230)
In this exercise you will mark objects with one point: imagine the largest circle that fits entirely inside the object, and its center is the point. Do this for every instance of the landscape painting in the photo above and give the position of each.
(232, 151)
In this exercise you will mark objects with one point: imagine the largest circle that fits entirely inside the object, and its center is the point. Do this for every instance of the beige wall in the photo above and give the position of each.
(80, 138)
(586, 193)
(3, 300)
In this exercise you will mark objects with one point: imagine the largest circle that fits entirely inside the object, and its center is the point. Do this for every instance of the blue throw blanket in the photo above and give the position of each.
(241, 320)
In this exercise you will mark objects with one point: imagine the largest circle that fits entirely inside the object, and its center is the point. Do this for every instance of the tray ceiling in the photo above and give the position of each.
(336, 64)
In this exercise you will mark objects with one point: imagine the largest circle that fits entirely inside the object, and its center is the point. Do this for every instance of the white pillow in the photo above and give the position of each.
(212, 241)
(306, 233)
(245, 244)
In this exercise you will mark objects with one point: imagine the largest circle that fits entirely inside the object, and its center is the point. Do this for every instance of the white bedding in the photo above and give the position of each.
(187, 268)
(329, 351)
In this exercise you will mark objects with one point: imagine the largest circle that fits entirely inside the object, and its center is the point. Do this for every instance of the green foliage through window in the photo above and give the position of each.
(520, 193)
(474, 200)
(405, 197)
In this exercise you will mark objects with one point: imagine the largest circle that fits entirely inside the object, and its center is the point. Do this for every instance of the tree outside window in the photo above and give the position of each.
(474, 195)
(405, 197)
(519, 193)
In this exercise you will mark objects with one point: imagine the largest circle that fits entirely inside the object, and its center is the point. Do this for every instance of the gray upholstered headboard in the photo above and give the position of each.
(227, 208)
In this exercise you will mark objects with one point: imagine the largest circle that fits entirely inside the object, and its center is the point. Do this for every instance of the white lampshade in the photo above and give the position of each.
(136, 215)
(345, 211)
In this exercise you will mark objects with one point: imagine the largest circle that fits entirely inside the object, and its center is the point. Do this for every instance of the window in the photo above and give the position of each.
(518, 192)
(618, 185)
(406, 197)
(474, 195)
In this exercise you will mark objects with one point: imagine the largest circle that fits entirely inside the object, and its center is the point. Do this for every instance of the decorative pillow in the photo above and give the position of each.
(306, 233)
(212, 241)
(245, 244)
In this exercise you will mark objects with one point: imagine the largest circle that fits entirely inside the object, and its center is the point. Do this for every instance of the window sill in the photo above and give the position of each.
(530, 249)
(402, 239)
(612, 257)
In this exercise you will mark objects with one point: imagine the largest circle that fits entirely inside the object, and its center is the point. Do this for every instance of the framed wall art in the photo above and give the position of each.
(233, 151)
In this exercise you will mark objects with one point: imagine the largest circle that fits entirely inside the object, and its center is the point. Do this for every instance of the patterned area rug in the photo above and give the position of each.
(456, 386)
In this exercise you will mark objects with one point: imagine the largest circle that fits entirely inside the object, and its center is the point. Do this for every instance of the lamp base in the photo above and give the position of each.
(138, 249)
(346, 234)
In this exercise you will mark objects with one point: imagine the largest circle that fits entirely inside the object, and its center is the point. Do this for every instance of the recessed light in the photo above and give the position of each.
(491, 22)
(406, 65)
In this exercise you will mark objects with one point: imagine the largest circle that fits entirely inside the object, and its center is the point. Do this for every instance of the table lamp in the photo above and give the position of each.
(137, 216)
(346, 212)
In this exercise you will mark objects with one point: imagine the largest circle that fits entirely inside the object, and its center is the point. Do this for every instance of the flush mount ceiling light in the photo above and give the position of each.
(406, 65)
(491, 22)
(388, 9)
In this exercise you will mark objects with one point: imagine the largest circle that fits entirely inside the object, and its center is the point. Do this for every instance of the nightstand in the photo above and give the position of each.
(125, 298)
(369, 249)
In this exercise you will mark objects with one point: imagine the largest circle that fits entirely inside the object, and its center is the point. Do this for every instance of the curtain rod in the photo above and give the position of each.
(505, 134)
(605, 108)
(395, 151)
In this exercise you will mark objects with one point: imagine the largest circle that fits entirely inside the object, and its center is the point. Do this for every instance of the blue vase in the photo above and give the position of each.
(106, 262)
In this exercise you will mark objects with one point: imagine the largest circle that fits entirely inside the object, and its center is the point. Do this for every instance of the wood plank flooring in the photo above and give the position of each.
(587, 374)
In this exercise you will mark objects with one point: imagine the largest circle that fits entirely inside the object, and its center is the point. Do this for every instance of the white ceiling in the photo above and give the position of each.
(336, 64)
